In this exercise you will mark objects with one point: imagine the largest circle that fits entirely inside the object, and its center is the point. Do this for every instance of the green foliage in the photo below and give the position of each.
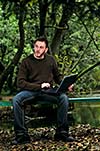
(79, 47)
(8, 38)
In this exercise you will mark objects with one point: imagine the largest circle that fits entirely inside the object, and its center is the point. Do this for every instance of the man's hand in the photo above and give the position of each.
(45, 85)
(70, 88)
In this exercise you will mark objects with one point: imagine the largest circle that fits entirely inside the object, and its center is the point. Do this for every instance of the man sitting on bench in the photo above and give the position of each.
(38, 71)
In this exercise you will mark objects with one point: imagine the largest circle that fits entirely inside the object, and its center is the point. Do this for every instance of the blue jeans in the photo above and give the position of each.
(21, 98)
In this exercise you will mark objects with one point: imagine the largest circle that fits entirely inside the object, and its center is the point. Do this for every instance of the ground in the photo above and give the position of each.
(87, 139)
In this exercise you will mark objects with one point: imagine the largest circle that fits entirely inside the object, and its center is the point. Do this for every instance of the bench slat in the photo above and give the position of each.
(5, 103)
(85, 99)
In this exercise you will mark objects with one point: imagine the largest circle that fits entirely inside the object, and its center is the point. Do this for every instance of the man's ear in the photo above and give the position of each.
(46, 50)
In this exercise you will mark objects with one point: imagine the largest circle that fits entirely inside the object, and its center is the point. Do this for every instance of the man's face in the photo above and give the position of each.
(40, 49)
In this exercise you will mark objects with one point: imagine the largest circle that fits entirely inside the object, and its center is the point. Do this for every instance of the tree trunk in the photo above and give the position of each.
(43, 9)
(1, 67)
(60, 32)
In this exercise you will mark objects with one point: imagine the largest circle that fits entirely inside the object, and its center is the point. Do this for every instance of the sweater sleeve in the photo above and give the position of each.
(22, 80)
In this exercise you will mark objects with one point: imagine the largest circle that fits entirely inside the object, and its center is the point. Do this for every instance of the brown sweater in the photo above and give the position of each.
(33, 72)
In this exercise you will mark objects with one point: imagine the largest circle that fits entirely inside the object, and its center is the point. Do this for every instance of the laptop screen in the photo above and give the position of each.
(66, 82)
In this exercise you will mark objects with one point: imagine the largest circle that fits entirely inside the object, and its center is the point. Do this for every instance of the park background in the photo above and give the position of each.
(72, 28)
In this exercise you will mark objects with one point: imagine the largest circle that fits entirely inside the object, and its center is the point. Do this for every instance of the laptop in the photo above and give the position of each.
(63, 87)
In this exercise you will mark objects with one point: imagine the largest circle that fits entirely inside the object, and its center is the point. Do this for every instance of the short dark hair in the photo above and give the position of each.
(42, 39)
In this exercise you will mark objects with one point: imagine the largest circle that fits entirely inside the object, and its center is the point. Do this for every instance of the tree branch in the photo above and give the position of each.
(88, 69)
(83, 52)
(91, 36)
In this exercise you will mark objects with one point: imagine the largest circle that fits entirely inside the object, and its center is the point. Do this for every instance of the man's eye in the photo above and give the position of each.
(36, 46)
(41, 47)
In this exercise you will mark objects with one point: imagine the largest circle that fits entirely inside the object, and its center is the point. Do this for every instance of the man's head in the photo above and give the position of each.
(42, 39)
(40, 47)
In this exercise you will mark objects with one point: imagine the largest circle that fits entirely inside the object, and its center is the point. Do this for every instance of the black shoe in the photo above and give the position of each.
(63, 136)
(21, 140)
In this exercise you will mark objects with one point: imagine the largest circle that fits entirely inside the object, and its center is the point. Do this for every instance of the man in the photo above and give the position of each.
(38, 71)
